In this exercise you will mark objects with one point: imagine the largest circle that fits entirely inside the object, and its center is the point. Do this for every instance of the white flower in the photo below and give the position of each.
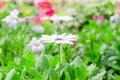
(12, 19)
(59, 39)
(36, 45)
(26, 19)
(38, 29)
(114, 18)
(45, 18)
(56, 18)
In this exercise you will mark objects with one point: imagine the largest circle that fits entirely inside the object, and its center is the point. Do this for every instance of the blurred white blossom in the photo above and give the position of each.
(59, 39)
(114, 19)
(57, 18)
(36, 45)
(12, 19)
(38, 29)
(26, 19)
(45, 18)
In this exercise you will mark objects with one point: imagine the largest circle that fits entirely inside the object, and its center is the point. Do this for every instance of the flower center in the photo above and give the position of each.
(58, 39)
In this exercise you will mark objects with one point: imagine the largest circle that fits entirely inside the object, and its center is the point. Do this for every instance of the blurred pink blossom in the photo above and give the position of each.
(118, 8)
(101, 18)
(2, 4)
(50, 12)
(94, 17)
(118, 5)
(44, 5)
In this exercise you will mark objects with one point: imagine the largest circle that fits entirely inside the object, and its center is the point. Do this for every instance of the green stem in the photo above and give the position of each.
(59, 48)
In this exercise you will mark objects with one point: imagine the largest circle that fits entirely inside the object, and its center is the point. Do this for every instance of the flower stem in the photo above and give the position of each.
(59, 48)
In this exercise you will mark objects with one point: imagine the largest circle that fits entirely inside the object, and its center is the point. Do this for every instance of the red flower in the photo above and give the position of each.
(2, 4)
(44, 5)
(49, 12)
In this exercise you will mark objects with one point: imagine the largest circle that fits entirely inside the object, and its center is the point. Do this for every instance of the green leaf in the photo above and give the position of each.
(81, 73)
(117, 76)
(77, 62)
(99, 76)
(67, 76)
(43, 63)
(45, 75)
(10, 74)
(53, 74)
(38, 76)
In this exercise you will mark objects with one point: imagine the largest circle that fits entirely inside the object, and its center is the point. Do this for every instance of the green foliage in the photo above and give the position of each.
(98, 44)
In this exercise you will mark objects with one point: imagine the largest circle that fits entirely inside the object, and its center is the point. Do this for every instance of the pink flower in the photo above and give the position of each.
(37, 20)
(44, 5)
(94, 17)
(118, 5)
(2, 4)
(118, 8)
(50, 12)
(40, 14)
(101, 18)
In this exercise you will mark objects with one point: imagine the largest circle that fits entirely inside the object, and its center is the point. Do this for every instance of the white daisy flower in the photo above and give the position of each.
(114, 19)
(12, 19)
(36, 45)
(59, 39)
(26, 19)
(38, 29)
(45, 18)
(56, 18)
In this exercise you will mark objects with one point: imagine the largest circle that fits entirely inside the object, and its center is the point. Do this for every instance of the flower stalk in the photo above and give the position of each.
(59, 53)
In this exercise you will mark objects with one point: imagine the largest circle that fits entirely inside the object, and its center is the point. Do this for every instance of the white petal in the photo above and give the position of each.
(38, 29)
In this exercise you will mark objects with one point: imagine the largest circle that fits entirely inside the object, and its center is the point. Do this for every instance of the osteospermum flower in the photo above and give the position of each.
(115, 18)
(12, 19)
(59, 39)
(57, 18)
(26, 19)
(36, 45)
(38, 29)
